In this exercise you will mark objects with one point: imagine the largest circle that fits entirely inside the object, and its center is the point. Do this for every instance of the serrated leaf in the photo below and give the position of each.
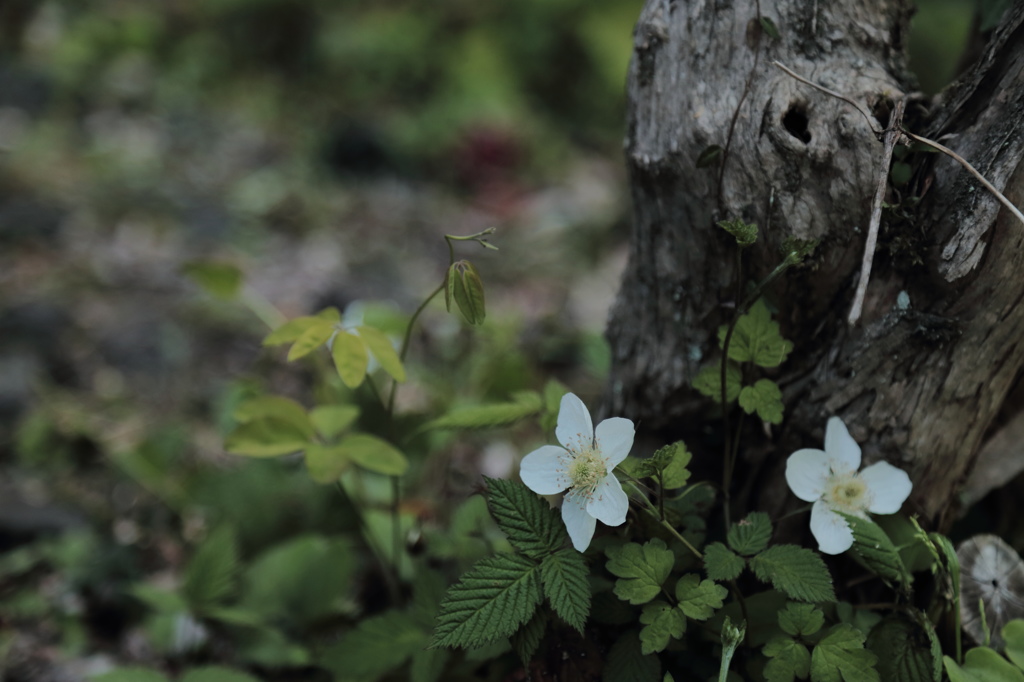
(428, 665)
(721, 563)
(745, 234)
(350, 358)
(765, 398)
(757, 338)
(312, 338)
(217, 673)
(841, 655)
(564, 578)
(492, 600)
(486, 416)
(796, 571)
(627, 662)
(380, 345)
(661, 622)
(278, 407)
(374, 454)
(527, 638)
(129, 674)
(769, 27)
(709, 382)
(530, 523)
(751, 535)
(326, 463)
(698, 598)
(982, 664)
(378, 645)
(907, 649)
(709, 156)
(801, 619)
(874, 548)
(675, 474)
(211, 576)
(267, 437)
(1013, 636)
(788, 660)
(641, 569)
(222, 280)
(330, 420)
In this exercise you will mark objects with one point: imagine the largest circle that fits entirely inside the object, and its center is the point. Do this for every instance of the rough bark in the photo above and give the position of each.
(921, 387)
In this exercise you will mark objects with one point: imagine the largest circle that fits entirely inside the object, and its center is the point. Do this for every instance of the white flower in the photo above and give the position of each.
(830, 480)
(582, 467)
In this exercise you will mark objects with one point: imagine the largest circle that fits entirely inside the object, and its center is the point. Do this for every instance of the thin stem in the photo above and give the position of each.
(833, 93)
(263, 309)
(405, 343)
(653, 511)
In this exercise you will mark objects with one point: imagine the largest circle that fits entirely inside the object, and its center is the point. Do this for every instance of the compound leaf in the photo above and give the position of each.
(721, 563)
(751, 535)
(788, 659)
(801, 619)
(757, 338)
(641, 569)
(841, 655)
(709, 382)
(661, 622)
(528, 521)
(765, 398)
(698, 598)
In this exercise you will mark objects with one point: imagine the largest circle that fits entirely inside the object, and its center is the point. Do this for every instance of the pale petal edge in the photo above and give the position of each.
(544, 471)
(614, 439)
(574, 428)
(833, 534)
(609, 503)
(807, 471)
(579, 524)
(890, 487)
(840, 446)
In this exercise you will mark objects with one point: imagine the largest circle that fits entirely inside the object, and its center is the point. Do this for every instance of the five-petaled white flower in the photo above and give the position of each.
(830, 480)
(583, 467)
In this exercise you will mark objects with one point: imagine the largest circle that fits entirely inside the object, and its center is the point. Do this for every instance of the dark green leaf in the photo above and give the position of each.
(661, 622)
(907, 649)
(751, 535)
(788, 660)
(801, 619)
(530, 523)
(564, 577)
(374, 454)
(641, 569)
(626, 662)
(797, 571)
(378, 645)
(222, 280)
(428, 665)
(699, 599)
(841, 655)
(709, 382)
(874, 548)
(769, 27)
(527, 638)
(709, 156)
(721, 563)
(211, 575)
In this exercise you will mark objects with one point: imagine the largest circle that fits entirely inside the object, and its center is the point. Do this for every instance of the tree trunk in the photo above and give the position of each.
(921, 386)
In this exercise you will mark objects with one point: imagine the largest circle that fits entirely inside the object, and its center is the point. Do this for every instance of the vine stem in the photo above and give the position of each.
(653, 511)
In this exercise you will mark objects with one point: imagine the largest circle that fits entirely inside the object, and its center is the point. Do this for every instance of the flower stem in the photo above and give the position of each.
(653, 511)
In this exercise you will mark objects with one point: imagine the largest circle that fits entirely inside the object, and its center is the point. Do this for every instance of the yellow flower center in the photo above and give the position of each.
(847, 492)
(586, 472)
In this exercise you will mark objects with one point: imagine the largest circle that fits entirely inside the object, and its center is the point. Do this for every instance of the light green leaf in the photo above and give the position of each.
(211, 576)
(374, 454)
(709, 382)
(278, 407)
(130, 674)
(428, 665)
(380, 345)
(330, 420)
(765, 398)
(641, 569)
(661, 622)
(217, 673)
(530, 523)
(222, 280)
(315, 336)
(982, 664)
(564, 577)
(875, 550)
(801, 619)
(745, 234)
(627, 662)
(788, 659)
(841, 655)
(527, 638)
(797, 571)
(350, 358)
(698, 598)
(291, 330)
(757, 338)
(266, 437)
(326, 463)
(907, 649)
(721, 563)
(488, 416)
(1013, 635)
(751, 535)
(492, 600)
(378, 645)
(330, 313)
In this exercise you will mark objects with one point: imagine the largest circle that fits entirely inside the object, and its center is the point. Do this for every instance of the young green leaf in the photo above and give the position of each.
(709, 156)
(797, 571)
(315, 336)
(765, 398)
(801, 619)
(330, 314)
(627, 662)
(757, 338)
(330, 420)
(751, 535)
(661, 622)
(982, 664)
(266, 437)
(564, 577)
(1013, 635)
(326, 463)
(530, 523)
(721, 563)
(874, 548)
(379, 344)
(907, 649)
(492, 600)
(378, 645)
(374, 454)
(641, 569)
(278, 407)
(350, 358)
(709, 382)
(745, 234)
(222, 280)
(841, 655)
(428, 665)
(788, 660)
(291, 330)
(487, 416)
(698, 598)
(212, 574)
(527, 638)
(769, 27)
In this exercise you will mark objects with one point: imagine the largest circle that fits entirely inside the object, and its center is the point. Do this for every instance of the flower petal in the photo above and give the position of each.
(544, 470)
(890, 487)
(830, 529)
(807, 472)
(609, 503)
(574, 430)
(841, 448)
(577, 521)
(613, 439)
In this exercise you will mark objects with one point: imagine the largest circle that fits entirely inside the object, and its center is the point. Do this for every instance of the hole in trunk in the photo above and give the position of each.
(795, 122)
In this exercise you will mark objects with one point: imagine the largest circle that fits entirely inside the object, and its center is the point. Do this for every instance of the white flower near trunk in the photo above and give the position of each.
(831, 481)
(582, 467)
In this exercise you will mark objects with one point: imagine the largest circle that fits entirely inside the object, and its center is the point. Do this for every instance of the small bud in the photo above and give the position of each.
(464, 286)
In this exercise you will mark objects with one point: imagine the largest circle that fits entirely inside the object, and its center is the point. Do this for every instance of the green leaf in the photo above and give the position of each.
(982, 664)
(157, 599)
(789, 659)
(874, 548)
(222, 280)
(330, 420)
(380, 345)
(330, 314)
(267, 437)
(950, 563)
(698, 598)
(130, 674)
(350, 358)
(721, 563)
(326, 463)
(530, 523)
(661, 622)
(841, 655)
(217, 673)
(211, 576)
(907, 649)
(751, 535)
(709, 382)
(709, 156)
(291, 330)
(428, 665)
(769, 27)
(627, 662)
(1013, 635)
(315, 336)
(765, 398)
(797, 571)
(492, 600)
(641, 569)
(374, 454)
(488, 416)
(378, 645)
(527, 638)
(564, 577)
(278, 407)
(801, 619)
(757, 338)
(744, 234)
